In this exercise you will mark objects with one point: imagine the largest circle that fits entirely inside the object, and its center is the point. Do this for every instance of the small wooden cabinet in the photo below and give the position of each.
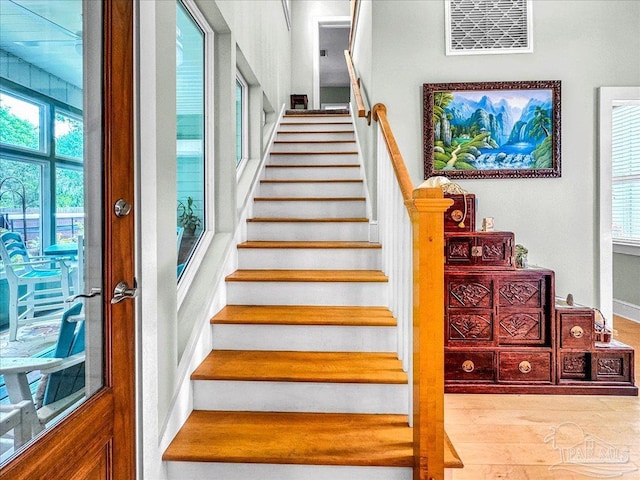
(485, 250)
(504, 332)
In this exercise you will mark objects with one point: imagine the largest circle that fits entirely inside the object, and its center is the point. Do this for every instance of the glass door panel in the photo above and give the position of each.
(51, 345)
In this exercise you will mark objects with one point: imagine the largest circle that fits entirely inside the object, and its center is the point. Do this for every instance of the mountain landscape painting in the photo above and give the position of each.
(492, 129)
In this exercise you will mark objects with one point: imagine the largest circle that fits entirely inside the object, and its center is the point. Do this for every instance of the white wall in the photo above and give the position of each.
(173, 327)
(585, 44)
(304, 31)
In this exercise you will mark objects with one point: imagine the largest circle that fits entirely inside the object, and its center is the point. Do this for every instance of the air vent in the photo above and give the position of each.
(488, 26)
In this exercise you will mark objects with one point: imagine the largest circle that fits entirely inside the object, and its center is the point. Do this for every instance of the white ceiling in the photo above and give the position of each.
(45, 33)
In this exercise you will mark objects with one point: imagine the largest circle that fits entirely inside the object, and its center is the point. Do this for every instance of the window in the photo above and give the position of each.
(41, 172)
(242, 115)
(68, 134)
(190, 155)
(626, 174)
(22, 122)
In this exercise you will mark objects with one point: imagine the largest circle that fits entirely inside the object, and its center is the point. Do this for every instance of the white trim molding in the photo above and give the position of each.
(609, 97)
(626, 310)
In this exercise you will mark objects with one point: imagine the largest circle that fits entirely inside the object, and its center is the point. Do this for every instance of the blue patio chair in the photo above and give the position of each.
(63, 380)
(37, 285)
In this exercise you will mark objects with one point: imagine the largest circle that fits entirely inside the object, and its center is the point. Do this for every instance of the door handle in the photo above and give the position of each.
(122, 291)
(92, 293)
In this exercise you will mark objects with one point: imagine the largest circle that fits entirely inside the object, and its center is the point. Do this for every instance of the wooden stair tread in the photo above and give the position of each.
(314, 153)
(279, 366)
(298, 438)
(307, 276)
(309, 244)
(290, 219)
(320, 180)
(296, 142)
(320, 165)
(304, 315)
(306, 132)
(294, 438)
(308, 199)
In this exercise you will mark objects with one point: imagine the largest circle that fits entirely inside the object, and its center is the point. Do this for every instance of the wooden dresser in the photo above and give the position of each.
(505, 332)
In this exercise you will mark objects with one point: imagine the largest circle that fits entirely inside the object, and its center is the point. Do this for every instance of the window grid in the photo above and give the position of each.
(626, 174)
(51, 182)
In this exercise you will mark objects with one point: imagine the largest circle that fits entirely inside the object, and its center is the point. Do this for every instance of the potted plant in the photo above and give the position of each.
(186, 218)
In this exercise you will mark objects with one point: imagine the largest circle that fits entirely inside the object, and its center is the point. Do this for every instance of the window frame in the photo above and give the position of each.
(244, 123)
(198, 253)
(627, 245)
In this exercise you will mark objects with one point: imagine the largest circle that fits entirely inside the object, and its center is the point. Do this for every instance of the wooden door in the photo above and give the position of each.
(97, 440)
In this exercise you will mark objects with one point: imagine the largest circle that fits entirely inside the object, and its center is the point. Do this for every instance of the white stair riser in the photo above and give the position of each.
(315, 136)
(316, 119)
(309, 208)
(313, 159)
(307, 293)
(313, 173)
(304, 338)
(308, 231)
(311, 189)
(309, 258)
(341, 146)
(300, 397)
(266, 471)
(287, 126)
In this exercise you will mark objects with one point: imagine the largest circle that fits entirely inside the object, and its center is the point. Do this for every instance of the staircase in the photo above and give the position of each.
(303, 380)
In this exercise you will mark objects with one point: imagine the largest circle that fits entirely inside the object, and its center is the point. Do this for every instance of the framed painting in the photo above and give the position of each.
(492, 129)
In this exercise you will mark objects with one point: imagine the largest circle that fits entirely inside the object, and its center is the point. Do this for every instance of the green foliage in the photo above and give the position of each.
(540, 123)
(17, 131)
(460, 165)
(543, 155)
(69, 188)
(186, 216)
(70, 144)
(441, 100)
(439, 164)
(29, 176)
(441, 157)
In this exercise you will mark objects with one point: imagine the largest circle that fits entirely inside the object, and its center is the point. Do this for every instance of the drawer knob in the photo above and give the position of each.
(468, 366)
(524, 367)
(577, 331)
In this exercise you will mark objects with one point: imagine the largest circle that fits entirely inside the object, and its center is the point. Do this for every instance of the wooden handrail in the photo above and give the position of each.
(426, 207)
(355, 85)
(402, 174)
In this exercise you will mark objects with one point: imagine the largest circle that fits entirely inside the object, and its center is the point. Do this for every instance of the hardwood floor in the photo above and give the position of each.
(511, 436)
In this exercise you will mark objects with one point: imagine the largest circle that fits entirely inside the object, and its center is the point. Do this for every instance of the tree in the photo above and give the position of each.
(17, 131)
(70, 144)
(540, 123)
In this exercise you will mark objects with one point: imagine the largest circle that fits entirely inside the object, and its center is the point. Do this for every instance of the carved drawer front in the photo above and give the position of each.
(469, 292)
(575, 366)
(576, 328)
(461, 218)
(469, 366)
(469, 327)
(521, 327)
(611, 365)
(480, 249)
(524, 367)
(514, 291)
